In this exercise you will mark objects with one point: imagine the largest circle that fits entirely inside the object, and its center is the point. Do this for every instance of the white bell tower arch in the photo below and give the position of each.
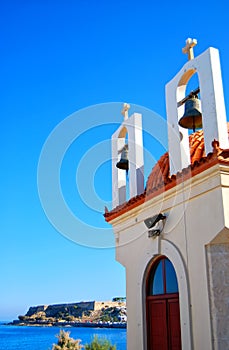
(207, 67)
(131, 127)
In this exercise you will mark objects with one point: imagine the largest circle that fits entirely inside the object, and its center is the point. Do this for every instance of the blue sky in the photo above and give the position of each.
(60, 59)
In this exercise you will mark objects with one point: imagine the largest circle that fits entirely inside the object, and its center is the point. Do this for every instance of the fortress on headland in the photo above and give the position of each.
(99, 313)
(73, 309)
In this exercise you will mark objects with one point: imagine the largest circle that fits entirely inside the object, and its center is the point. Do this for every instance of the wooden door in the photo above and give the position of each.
(162, 307)
(157, 325)
(174, 323)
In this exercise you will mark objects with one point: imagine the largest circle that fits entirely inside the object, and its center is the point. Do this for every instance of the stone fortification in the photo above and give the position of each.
(56, 310)
(85, 313)
(76, 312)
(99, 305)
(36, 309)
(72, 308)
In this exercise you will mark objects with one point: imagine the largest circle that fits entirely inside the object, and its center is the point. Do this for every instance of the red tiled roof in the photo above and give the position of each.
(160, 180)
(160, 172)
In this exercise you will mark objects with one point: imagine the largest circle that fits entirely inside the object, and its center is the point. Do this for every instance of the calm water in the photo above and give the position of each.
(42, 338)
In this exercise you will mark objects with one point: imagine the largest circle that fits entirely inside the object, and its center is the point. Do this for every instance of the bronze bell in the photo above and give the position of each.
(192, 118)
(124, 162)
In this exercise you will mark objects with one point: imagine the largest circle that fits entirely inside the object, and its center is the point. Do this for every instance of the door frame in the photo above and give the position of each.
(169, 250)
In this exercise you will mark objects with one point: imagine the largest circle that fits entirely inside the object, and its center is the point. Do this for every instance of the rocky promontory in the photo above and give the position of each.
(85, 313)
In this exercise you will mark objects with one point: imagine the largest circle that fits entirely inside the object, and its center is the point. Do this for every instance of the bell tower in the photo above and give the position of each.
(207, 67)
(127, 158)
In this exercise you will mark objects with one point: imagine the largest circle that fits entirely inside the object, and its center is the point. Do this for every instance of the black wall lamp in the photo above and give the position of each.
(152, 224)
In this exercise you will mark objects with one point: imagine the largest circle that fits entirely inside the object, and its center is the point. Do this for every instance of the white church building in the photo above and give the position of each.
(172, 236)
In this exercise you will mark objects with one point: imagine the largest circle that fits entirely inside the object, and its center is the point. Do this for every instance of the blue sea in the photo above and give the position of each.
(42, 338)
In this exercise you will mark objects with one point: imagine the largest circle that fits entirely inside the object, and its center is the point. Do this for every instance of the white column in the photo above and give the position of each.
(136, 165)
(212, 98)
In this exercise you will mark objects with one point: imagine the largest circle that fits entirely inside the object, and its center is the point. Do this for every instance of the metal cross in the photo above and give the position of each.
(190, 43)
(125, 110)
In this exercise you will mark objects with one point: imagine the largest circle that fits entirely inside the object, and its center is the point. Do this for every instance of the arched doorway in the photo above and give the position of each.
(162, 307)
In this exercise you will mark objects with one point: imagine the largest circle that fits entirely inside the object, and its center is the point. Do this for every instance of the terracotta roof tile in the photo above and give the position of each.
(160, 180)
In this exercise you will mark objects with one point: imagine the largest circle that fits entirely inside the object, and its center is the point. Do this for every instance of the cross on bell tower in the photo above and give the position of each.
(188, 49)
(125, 110)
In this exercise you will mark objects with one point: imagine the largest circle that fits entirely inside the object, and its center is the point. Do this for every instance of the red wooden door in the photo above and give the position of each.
(174, 324)
(162, 306)
(157, 325)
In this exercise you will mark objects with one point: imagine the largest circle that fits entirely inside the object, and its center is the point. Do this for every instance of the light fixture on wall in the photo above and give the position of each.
(152, 224)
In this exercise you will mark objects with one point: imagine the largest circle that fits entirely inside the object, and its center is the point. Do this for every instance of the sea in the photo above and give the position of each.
(43, 338)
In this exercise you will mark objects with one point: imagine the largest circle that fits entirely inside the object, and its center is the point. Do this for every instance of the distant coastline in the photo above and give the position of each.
(102, 314)
(69, 324)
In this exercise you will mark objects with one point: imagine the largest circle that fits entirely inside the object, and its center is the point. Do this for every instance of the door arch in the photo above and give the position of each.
(162, 307)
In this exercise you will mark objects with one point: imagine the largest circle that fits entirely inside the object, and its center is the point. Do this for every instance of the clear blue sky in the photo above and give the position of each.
(57, 58)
